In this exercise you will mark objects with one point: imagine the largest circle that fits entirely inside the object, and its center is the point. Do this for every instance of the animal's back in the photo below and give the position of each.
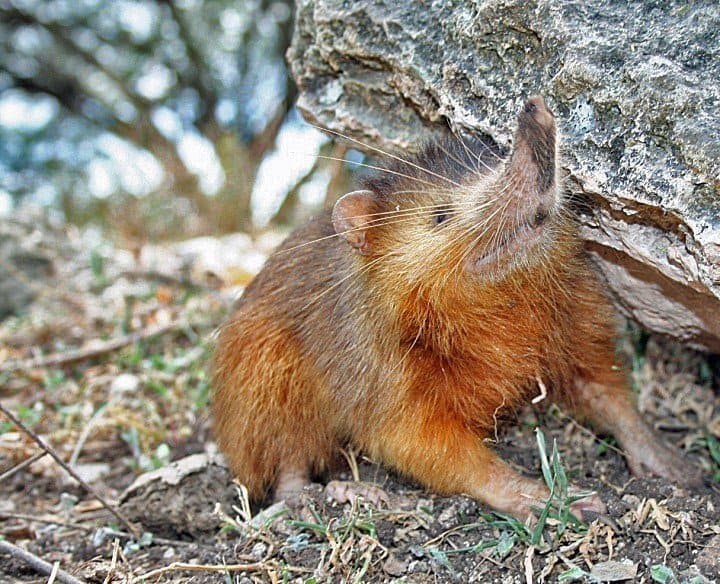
(298, 346)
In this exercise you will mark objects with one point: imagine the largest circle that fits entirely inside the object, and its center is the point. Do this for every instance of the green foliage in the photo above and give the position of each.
(558, 504)
(159, 458)
(53, 378)
(134, 545)
(67, 502)
(556, 508)
(200, 391)
(340, 530)
(713, 447)
(30, 416)
(663, 574)
(573, 573)
(97, 266)
(505, 544)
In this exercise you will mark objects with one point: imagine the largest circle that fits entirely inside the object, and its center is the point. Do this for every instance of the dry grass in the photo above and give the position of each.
(121, 410)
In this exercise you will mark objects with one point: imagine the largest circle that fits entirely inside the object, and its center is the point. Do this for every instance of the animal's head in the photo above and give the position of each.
(461, 215)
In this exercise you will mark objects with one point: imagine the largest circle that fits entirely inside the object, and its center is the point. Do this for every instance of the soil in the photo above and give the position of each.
(121, 412)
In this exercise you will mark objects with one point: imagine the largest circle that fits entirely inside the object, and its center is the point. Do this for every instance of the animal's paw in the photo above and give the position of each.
(348, 491)
(656, 459)
(588, 507)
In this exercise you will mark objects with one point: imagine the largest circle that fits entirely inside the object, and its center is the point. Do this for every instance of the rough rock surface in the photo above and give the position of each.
(635, 86)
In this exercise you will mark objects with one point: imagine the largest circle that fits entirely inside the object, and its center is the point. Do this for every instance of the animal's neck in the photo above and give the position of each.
(468, 316)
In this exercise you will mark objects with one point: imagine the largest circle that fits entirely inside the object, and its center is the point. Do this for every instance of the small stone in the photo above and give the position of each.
(91, 471)
(395, 566)
(614, 571)
(416, 567)
(448, 515)
(179, 500)
(124, 383)
(259, 550)
(269, 514)
(632, 501)
(709, 560)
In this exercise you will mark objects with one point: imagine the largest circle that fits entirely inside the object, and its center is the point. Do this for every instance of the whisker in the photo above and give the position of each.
(388, 154)
(352, 274)
(478, 159)
(460, 162)
(373, 167)
(482, 230)
(389, 218)
(381, 222)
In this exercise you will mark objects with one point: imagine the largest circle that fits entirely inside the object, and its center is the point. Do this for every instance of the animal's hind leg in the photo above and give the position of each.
(291, 479)
(268, 419)
(609, 407)
(600, 393)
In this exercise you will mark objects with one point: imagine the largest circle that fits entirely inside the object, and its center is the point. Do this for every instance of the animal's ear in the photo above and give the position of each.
(353, 217)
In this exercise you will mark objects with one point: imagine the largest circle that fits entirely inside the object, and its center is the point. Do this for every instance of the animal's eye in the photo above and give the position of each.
(438, 217)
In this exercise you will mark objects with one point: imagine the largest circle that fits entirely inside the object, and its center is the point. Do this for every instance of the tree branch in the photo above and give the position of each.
(98, 349)
(199, 65)
(36, 563)
(51, 451)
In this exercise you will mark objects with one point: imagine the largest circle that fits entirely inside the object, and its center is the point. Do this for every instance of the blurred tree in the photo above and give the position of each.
(139, 99)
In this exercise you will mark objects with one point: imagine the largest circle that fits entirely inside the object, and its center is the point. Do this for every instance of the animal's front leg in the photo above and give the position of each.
(446, 456)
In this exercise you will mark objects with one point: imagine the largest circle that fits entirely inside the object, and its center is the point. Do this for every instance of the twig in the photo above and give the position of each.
(204, 568)
(47, 448)
(98, 349)
(85, 433)
(54, 573)
(158, 540)
(21, 465)
(255, 566)
(351, 459)
(543, 391)
(37, 564)
(113, 561)
(527, 563)
(90, 528)
(590, 433)
(165, 278)
(46, 520)
(439, 538)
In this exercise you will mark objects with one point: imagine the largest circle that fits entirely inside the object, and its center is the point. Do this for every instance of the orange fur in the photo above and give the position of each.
(409, 341)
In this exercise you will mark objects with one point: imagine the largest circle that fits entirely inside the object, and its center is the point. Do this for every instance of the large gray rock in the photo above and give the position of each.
(634, 85)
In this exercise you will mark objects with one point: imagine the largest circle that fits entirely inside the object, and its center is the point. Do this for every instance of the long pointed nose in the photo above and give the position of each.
(535, 113)
(534, 148)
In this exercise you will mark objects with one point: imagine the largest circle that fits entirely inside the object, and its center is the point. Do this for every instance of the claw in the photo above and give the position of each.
(588, 507)
(656, 459)
(348, 492)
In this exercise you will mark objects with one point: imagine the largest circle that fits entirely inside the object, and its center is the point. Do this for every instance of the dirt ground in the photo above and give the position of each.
(108, 366)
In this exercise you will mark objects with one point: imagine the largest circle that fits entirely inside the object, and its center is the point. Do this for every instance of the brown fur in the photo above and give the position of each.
(400, 338)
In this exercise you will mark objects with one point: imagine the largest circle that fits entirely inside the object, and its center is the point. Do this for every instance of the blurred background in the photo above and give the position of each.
(157, 119)
(150, 158)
